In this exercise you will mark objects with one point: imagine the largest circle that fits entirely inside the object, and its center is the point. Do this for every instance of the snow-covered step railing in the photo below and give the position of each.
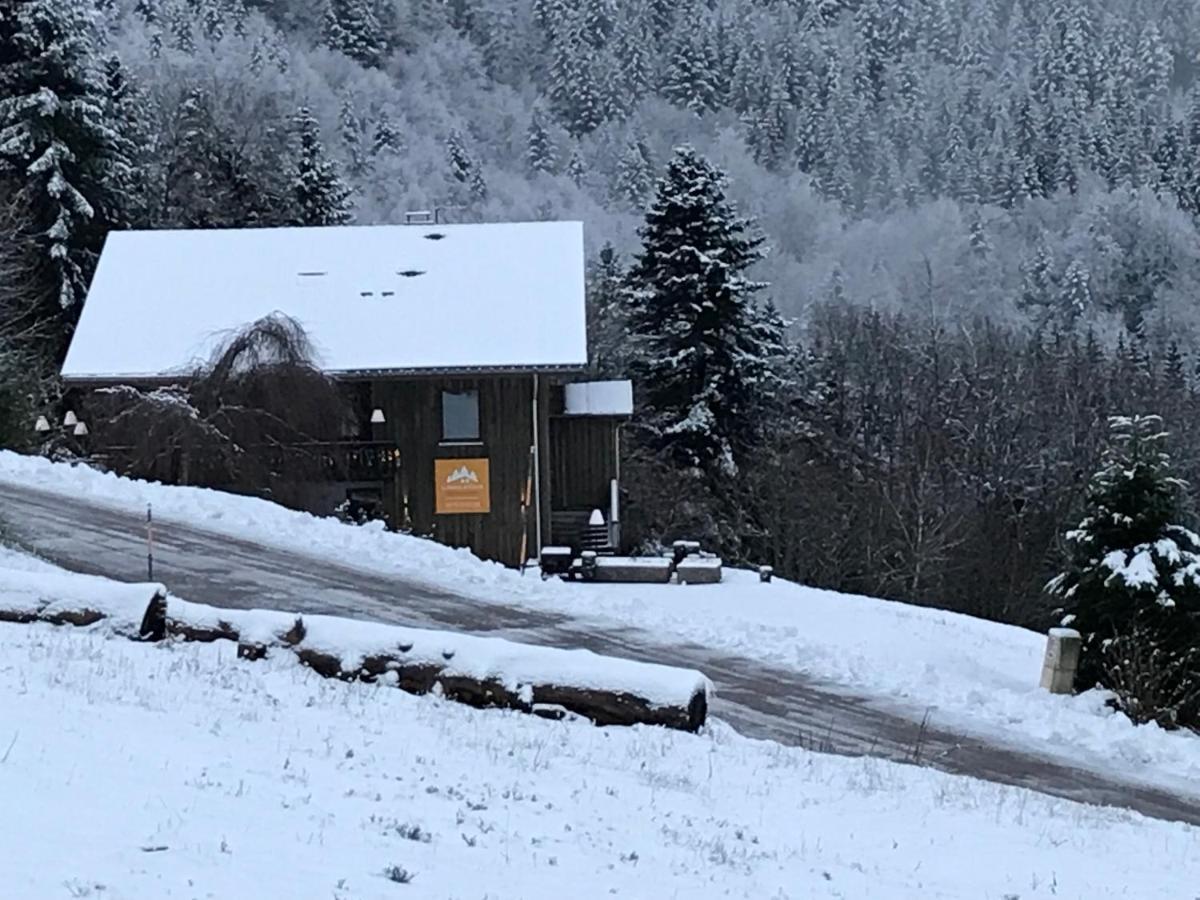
(480, 671)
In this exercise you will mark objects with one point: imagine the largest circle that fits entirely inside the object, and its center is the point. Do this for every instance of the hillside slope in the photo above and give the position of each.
(179, 771)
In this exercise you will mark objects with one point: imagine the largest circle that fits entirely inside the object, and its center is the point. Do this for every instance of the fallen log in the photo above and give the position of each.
(66, 598)
(479, 671)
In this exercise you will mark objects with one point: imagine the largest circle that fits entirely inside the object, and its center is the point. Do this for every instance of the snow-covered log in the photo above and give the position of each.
(480, 671)
(64, 598)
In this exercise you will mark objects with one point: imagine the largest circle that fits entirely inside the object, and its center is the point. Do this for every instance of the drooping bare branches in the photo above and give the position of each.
(257, 417)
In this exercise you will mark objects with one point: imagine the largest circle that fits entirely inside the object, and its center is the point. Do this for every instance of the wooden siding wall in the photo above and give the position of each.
(413, 409)
(583, 457)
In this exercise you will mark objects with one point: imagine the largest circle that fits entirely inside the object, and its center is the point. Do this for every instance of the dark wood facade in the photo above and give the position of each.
(412, 409)
(392, 464)
(577, 460)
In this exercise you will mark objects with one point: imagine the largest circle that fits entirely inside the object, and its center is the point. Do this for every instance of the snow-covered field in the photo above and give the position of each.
(978, 676)
(136, 771)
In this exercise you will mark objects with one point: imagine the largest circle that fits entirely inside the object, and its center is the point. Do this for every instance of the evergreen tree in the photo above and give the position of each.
(703, 350)
(1039, 289)
(1132, 584)
(351, 129)
(462, 164)
(148, 10)
(385, 139)
(690, 79)
(635, 174)
(541, 155)
(608, 343)
(181, 25)
(318, 193)
(1075, 296)
(61, 153)
(575, 95)
(352, 27)
(576, 167)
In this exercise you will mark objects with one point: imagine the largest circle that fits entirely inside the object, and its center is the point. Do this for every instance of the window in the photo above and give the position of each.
(460, 416)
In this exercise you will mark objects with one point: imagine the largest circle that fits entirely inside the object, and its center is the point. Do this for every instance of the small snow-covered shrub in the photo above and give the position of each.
(399, 874)
(1153, 683)
(414, 833)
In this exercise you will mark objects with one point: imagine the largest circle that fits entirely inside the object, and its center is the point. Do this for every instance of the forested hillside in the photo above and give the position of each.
(973, 212)
(954, 156)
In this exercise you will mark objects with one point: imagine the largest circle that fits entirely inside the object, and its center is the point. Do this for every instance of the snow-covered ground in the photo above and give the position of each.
(974, 675)
(131, 771)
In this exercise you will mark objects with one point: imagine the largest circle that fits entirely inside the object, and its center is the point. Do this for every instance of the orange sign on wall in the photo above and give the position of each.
(462, 486)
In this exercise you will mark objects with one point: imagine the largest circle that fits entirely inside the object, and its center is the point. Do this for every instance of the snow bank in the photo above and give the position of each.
(260, 521)
(977, 676)
(524, 670)
(970, 674)
(177, 771)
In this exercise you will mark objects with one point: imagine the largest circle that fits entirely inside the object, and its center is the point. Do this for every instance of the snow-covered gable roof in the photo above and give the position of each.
(373, 299)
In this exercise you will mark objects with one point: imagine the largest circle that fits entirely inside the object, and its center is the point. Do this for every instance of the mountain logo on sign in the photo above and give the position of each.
(462, 475)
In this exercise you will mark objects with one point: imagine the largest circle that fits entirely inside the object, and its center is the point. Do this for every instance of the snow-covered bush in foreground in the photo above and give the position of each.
(133, 771)
(1132, 585)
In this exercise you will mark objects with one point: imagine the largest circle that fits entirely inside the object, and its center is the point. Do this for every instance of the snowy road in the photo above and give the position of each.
(758, 700)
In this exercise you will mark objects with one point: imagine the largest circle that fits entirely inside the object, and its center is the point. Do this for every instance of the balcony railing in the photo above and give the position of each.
(340, 460)
(307, 461)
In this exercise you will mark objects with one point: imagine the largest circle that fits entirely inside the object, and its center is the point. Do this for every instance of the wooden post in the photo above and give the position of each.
(1062, 660)
(149, 544)
(526, 499)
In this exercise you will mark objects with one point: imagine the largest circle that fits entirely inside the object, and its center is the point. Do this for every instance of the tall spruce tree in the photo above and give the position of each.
(318, 192)
(61, 152)
(352, 27)
(1132, 584)
(635, 174)
(540, 155)
(703, 351)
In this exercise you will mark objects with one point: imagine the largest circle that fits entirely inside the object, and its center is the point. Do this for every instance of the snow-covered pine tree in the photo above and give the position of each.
(635, 175)
(181, 24)
(1075, 295)
(576, 167)
(352, 28)
(540, 155)
(478, 185)
(60, 154)
(147, 9)
(319, 195)
(607, 330)
(459, 158)
(352, 133)
(1039, 288)
(690, 80)
(703, 351)
(385, 139)
(1132, 583)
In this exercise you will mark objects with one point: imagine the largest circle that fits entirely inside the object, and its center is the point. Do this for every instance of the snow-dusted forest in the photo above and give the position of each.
(952, 157)
(977, 215)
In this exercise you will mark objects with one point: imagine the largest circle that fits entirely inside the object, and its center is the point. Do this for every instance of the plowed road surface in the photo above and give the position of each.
(758, 700)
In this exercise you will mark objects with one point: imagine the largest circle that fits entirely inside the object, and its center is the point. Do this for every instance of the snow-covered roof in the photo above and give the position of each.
(373, 299)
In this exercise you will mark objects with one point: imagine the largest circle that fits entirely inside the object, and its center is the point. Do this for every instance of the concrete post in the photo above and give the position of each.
(1062, 660)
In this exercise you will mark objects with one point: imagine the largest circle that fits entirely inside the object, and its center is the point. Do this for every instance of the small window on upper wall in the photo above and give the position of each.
(460, 416)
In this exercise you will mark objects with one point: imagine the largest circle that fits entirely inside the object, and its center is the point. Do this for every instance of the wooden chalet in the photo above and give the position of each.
(462, 346)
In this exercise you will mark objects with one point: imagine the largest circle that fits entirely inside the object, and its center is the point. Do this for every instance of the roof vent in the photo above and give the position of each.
(434, 236)
(420, 217)
(410, 273)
